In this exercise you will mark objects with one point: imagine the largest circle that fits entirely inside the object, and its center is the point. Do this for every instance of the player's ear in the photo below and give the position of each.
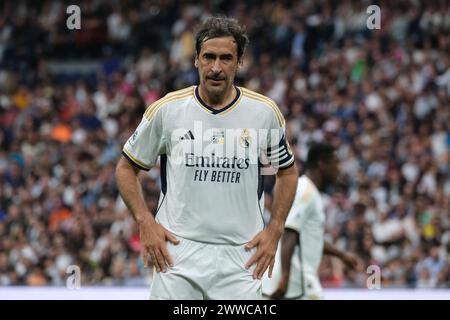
(196, 61)
(240, 63)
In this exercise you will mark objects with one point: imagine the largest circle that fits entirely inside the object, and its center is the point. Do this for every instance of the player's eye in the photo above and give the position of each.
(208, 56)
(227, 57)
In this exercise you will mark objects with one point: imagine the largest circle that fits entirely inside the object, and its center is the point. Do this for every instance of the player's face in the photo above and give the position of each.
(217, 65)
(331, 170)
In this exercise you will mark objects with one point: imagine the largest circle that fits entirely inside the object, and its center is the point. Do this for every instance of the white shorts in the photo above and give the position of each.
(206, 271)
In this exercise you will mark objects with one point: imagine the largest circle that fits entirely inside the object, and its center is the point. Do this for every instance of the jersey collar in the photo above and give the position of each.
(217, 111)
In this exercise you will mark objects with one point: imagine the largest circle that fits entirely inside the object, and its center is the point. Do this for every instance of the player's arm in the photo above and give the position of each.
(131, 191)
(152, 235)
(348, 259)
(284, 193)
(288, 243)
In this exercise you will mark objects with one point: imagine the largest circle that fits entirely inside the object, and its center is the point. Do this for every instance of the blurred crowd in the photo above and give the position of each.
(381, 97)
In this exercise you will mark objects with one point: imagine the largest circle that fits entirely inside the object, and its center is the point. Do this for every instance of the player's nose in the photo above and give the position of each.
(216, 66)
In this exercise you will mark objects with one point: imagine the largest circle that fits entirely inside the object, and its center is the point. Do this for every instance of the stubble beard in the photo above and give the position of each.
(217, 93)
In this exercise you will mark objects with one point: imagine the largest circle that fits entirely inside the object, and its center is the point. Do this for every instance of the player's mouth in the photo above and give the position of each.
(216, 81)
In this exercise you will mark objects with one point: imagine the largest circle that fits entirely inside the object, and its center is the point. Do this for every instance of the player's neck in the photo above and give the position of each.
(217, 102)
(316, 178)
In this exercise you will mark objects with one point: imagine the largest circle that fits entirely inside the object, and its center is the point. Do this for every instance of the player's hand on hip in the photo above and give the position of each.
(266, 243)
(153, 240)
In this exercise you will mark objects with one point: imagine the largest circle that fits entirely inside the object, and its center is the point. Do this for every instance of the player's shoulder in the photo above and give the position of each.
(262, 103)
(172, 98)
(306, 189)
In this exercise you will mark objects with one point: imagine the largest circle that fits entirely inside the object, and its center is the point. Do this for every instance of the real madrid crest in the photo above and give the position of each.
(245, 139)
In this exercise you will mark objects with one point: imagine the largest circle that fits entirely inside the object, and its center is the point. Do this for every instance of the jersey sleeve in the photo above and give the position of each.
(278, 151)
(147, 142)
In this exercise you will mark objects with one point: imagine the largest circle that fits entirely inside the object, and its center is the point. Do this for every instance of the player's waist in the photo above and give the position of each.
(226, 236)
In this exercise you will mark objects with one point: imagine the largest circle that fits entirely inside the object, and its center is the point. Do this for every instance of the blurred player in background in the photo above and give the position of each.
(300, 250)
(208, 240)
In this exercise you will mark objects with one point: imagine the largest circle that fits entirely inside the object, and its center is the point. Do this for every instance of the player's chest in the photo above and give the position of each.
(234, 133)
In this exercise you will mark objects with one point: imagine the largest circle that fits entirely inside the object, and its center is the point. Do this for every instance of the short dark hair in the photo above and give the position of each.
(221, 26)
(319, 152)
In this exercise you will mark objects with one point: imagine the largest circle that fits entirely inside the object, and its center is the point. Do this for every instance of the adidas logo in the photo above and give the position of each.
(187, 136)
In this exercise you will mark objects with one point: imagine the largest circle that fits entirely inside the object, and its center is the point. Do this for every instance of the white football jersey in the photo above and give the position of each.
(307, 217)
(211, 162)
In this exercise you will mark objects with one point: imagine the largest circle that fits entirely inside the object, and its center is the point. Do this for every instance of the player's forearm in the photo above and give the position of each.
(330, 249)
(284, 193)
(131, 191)
(288, 242)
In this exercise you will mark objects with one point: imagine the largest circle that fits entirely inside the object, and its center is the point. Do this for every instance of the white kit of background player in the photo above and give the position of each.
(307, 218)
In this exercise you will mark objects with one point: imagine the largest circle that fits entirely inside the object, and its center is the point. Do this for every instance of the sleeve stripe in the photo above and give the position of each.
(283, 157)
(286, 158)
(270, 152)
(290, 164)
(283, 152)
(135, 161)
(275, 149)
(283, 160)
(283, 163)
(278, 155)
